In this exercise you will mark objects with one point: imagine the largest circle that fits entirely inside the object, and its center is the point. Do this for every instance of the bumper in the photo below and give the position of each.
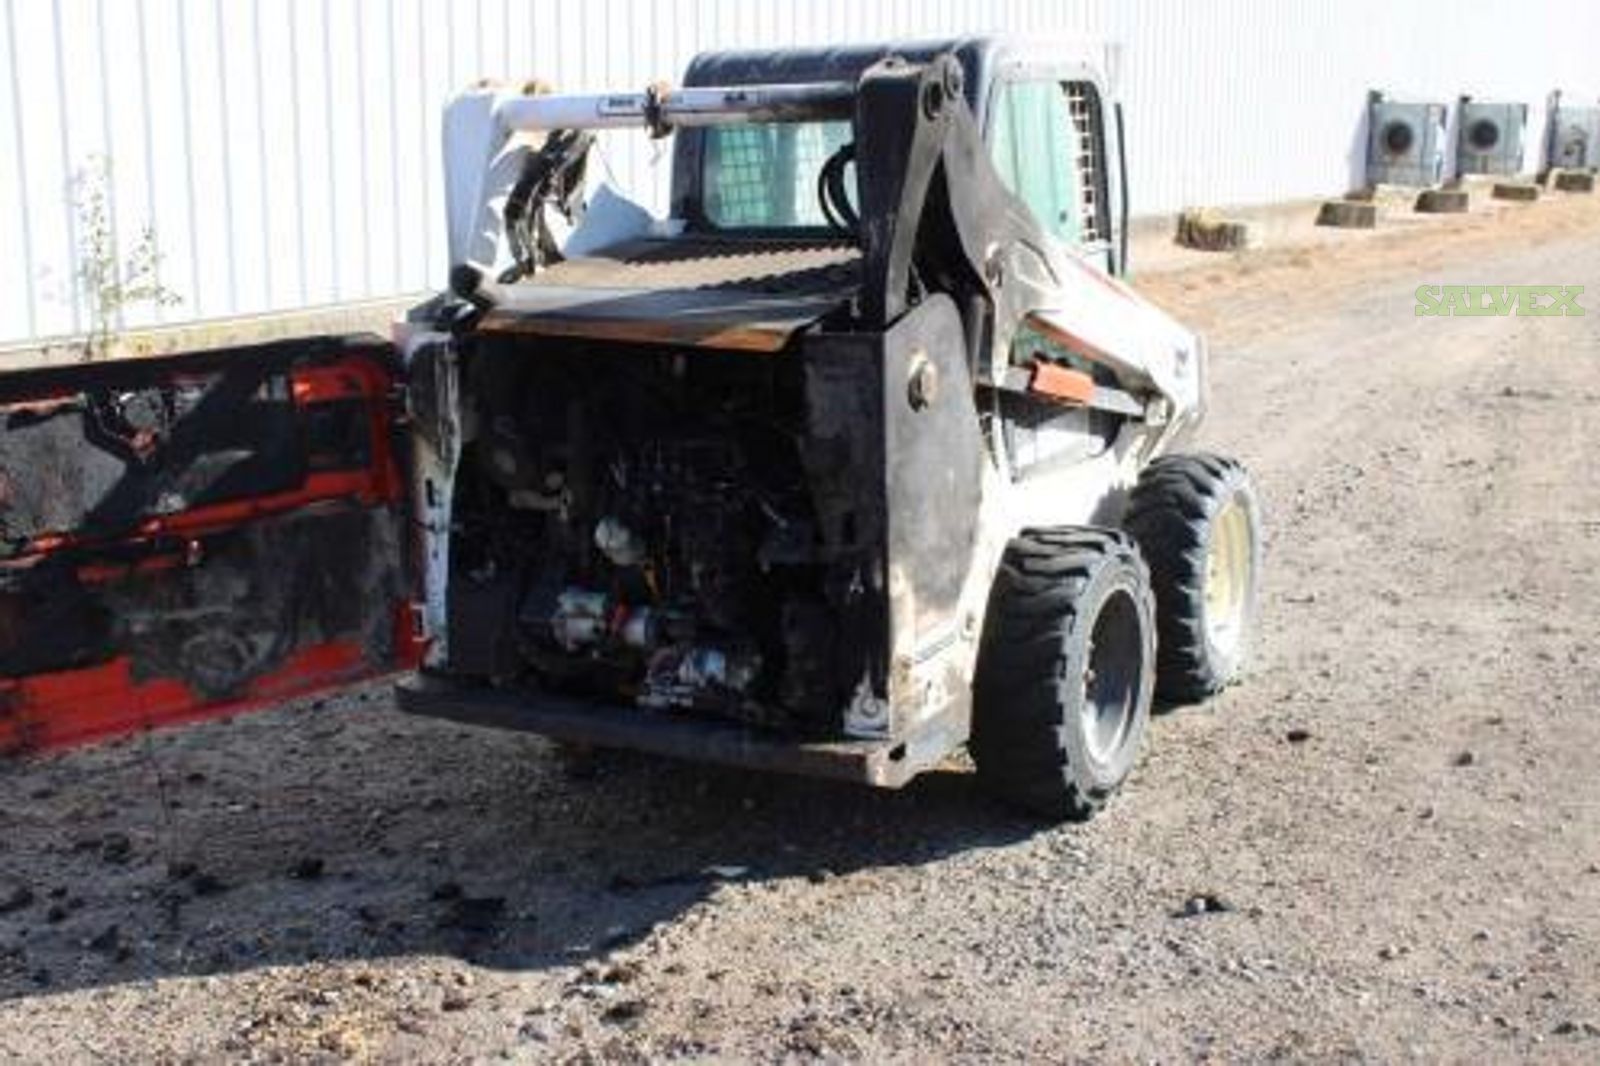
(886, 763)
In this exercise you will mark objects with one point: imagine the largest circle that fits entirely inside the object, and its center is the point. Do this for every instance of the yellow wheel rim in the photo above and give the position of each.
(1229, 561)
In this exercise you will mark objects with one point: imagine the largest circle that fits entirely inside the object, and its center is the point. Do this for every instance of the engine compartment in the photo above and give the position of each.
(637, 525)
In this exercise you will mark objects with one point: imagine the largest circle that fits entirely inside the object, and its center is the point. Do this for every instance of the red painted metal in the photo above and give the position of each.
(1061, 384)
(79, 706)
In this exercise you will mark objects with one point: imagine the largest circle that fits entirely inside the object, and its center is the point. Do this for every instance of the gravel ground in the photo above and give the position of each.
(1383, 844)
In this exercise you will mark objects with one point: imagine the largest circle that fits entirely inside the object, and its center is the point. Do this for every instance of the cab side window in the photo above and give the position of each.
(1046, 140)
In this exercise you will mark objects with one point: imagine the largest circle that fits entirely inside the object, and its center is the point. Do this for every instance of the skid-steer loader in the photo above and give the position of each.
(863, 455)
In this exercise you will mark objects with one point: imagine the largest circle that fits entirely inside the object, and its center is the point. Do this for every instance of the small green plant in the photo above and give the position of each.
(111, 284)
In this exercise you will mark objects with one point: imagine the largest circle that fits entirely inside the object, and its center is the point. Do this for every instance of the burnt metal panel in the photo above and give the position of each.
(741, 295)
(934, 456)
(844, 460)
(708, 318)
(76, 462)
(895, 459)
(701, 261)
(195, 534)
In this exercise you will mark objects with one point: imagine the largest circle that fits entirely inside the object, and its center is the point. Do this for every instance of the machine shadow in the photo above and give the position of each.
(488, 848)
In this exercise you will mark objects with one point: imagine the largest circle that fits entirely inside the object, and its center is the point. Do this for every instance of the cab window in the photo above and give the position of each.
(1046, 141)
(764, 175)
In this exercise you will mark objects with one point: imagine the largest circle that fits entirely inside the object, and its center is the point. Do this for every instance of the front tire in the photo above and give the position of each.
(1066, 671)
(1197, 522)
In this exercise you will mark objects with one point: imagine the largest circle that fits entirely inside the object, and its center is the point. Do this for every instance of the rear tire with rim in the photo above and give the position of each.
(1066, 671)
(1197, 522)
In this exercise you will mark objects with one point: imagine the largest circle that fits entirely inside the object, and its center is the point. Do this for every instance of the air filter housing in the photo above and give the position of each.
(1489, 139)
(1405, 142)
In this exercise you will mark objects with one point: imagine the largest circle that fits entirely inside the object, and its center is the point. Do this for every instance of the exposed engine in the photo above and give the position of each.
(637, 525)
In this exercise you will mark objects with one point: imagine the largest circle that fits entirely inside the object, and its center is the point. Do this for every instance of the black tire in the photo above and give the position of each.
(1174, 515)
(1049, 735)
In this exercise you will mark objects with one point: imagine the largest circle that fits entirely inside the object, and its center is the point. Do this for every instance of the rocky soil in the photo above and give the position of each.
(1384, 844)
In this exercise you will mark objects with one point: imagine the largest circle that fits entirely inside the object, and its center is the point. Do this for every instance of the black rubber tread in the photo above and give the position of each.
(1027, 737)
(1170, 515)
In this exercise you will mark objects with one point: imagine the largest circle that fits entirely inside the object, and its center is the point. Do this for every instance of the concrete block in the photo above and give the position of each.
(1349, 214)
(1442, 201)
(1572, 181)
(1209, 231)
(1517, 191)
(1387, 197)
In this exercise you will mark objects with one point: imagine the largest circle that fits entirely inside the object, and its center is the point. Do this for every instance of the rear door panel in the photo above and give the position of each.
(195, 535)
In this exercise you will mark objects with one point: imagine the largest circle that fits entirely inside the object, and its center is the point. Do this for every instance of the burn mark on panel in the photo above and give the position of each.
(251, 597)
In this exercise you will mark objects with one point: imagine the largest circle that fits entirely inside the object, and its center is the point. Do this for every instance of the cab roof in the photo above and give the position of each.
(981, 58)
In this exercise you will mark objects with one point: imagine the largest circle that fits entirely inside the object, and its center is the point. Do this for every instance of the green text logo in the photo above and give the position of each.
(1540, 301)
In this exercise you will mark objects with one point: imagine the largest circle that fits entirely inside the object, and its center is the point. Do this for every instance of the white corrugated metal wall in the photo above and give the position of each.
(285, 152)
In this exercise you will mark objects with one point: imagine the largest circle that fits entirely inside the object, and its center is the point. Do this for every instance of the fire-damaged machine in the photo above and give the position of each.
(861, 456)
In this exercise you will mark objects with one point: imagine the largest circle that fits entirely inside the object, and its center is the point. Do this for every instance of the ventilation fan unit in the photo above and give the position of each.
(1574, 136)
(1406, 142)
(1489, 140)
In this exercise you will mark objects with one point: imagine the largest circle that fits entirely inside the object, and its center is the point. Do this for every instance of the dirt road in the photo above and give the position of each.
(1395, 819)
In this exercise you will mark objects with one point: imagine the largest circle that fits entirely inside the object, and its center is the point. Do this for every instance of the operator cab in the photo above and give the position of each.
(1045, 113)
